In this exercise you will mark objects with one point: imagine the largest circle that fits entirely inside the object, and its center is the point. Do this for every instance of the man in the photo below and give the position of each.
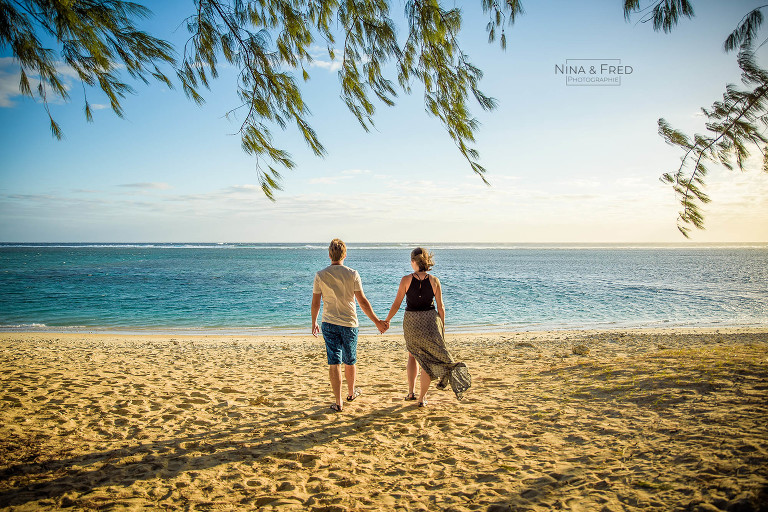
(338, 286)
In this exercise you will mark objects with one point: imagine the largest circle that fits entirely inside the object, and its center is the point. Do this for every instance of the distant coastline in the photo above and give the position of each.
(400, 245)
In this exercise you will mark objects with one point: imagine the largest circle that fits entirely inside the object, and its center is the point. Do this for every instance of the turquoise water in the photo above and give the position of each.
(265, 288)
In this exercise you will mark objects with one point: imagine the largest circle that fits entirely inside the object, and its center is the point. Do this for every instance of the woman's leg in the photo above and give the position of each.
(413, 370)
(425, 380)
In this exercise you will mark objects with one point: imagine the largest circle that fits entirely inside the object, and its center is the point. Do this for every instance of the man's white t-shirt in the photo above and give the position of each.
(338, 284)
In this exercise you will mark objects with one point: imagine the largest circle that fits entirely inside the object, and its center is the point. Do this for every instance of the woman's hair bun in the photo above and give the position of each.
(423, 259)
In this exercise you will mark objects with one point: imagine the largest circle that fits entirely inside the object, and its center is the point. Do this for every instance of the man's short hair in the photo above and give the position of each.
(337, 250)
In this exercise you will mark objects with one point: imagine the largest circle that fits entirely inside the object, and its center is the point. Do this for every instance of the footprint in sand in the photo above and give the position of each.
(12, 401)
(309, 460)
(228, 389)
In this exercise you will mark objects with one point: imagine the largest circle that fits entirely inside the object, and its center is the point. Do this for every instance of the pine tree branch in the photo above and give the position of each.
(755, 97)
(98, 36)
(32, 14)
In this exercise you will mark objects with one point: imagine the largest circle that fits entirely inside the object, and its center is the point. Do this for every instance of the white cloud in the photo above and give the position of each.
(245, 188)
(346, 174)
(632, 208)
(321, 58)
(331, 66)
(582, 183)
(328, 180)
(146, 186)
(10, 76)
(9, 82)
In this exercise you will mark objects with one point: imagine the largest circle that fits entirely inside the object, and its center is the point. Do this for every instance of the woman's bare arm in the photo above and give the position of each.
(399, 297)
(438, 297)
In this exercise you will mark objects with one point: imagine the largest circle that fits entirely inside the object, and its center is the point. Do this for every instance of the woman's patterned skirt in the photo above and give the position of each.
(424, 338)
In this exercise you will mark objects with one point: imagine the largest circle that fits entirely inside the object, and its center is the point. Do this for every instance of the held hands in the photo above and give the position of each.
(382, 325)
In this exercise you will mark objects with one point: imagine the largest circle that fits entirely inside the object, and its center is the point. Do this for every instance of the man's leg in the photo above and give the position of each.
(349, 357)
(350, 372)
(334, 372)
(333, 344)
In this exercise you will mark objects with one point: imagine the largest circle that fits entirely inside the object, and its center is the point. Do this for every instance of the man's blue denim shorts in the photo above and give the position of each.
(340, 343)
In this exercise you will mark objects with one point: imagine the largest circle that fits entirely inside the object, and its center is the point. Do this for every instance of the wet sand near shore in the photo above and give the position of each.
(568, 420)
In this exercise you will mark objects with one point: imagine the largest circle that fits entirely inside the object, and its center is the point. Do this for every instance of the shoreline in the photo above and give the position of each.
(555, 333)
(610, 420)
(364, 330)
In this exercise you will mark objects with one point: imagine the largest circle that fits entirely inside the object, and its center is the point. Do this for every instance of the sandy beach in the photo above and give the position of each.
(589, 420)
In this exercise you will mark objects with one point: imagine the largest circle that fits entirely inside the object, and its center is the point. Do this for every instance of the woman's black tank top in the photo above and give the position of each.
(419, 295)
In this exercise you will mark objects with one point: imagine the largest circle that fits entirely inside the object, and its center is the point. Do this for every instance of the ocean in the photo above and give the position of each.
(267, 288)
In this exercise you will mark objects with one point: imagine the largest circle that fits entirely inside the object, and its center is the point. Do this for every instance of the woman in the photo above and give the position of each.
(424, 329)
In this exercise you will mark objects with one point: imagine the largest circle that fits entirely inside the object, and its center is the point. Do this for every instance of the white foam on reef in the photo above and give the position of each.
(393, 245)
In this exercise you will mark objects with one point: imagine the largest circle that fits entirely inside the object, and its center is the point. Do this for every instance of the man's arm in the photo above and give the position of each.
(368, 310)
(315, 311)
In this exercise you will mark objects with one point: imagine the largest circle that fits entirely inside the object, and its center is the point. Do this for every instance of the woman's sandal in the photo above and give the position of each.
(356, 393)
(423, 403)
(410, 396)
(336, 407)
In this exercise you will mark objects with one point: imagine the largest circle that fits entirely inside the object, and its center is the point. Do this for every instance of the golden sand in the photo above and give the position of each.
(607, 421)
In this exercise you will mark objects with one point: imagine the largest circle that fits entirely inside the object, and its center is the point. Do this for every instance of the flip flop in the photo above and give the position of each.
(410, 396)
(422, 403)
(356, 393)
(336, 407)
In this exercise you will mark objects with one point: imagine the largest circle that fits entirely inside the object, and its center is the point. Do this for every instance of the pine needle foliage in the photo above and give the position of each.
(270, 42)
(499, 12)
(93, 38)
(663, 13)
(734, 125)
(432, 56)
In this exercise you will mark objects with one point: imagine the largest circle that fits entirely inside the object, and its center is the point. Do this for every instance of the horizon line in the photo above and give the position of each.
(189, 242)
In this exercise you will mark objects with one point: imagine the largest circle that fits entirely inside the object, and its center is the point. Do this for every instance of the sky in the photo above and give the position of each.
(565, 164)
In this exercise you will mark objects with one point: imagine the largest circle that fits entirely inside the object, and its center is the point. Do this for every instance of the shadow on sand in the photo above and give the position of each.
(289, 435)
